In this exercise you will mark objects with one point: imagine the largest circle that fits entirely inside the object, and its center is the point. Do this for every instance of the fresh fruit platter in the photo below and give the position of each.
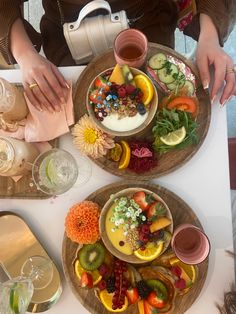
(105, 283)
(152, 147)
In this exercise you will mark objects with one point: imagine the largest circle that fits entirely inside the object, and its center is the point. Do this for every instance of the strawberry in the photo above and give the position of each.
(130, 89)
(155, 301)
(100, 82)
(148, 308)
(132, 295)
(140, 199)
(176, 270)
(156, 209)
(86, 280)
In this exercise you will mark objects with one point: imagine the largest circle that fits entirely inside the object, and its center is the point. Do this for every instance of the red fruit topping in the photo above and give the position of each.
(103, 270)
(121, 92)
(155, 301)
(145, 228)
(86, 280)
(180, 284)
(143, 237)
(176, 270)
(102, 285)
(140, 199)
(100, 82)
(96, 96)
(130, 89)
(132, 295)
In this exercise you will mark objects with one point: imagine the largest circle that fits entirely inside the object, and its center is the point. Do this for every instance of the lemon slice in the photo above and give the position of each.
(79, 270)
(142, 82)
(106, 299)
(126, 154)
(175, 137)
(151, 251)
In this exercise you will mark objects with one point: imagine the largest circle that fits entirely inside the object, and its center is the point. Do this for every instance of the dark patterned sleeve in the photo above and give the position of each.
(222, 14)
(10, 10)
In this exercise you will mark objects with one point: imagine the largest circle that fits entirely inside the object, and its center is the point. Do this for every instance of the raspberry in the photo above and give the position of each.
(145, 228)
(122, 92)
(176, 270)
(130, 89)
(143, 237)
(180, 284)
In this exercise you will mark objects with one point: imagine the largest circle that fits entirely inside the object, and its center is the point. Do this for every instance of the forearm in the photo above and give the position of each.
(208, 31)
(20, 44)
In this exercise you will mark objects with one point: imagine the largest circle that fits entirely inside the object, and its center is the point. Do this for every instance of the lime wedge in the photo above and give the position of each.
(51, 171)
(175, 137)
(14, 300)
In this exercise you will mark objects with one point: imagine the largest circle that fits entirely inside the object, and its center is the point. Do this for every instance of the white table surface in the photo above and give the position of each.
(203, 183)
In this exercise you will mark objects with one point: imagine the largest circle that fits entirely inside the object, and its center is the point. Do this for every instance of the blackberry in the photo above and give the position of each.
(110, 284)
(143, 289)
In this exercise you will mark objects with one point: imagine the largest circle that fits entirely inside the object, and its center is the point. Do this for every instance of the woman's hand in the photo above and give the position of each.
(44, 85)
(210, 53)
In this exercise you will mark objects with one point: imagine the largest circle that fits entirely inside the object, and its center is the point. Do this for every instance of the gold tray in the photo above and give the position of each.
(17, 243)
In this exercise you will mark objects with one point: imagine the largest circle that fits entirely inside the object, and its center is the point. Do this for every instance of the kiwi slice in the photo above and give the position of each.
(159, 287)
(91, 256)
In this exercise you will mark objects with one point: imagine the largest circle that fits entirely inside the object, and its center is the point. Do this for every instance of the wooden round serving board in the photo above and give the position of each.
(167, 162)
(181, 213)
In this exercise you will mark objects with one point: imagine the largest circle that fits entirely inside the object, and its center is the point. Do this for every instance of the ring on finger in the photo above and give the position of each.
(31, 86)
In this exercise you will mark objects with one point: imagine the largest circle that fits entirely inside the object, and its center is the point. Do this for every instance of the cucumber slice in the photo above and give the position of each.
(179, 82)
(189, 86)
(157, 61)
(167, 75)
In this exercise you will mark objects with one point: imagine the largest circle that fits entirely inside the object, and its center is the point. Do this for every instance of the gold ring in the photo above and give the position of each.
(31, 86)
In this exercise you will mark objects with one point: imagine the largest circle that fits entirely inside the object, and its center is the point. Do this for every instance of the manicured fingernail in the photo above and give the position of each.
(213, 99)
(67, 85)
(205, 84)
(226, 101)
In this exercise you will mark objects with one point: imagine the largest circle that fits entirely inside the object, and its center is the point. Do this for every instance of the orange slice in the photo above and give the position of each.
(106, 299)
(159, 224)
(188, 271)
(126, 154)
(151, 251)
(79, 270)
(142, 82)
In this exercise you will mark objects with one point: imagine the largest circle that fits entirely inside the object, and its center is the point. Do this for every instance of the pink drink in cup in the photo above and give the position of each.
(130, 47)
(190, 244)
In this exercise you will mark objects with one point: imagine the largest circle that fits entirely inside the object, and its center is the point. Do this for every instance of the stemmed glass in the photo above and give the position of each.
(56, 171)
(16, 293)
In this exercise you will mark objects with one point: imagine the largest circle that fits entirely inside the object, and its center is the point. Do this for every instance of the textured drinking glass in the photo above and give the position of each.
(131, 47)
(55, 171)
(190, 244)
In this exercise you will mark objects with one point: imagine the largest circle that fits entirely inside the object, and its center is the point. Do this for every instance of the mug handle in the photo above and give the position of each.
(90, 7)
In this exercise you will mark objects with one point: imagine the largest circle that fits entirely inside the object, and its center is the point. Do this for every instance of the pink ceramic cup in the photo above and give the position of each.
(131, 47)
(190, 244)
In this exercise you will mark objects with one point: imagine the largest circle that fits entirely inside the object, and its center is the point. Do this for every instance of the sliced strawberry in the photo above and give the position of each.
(156, 209)
(132, 295)
(100, 82)
(156, 301)
(148, 308)
(140, 199)
(176, 270)
(86, 280)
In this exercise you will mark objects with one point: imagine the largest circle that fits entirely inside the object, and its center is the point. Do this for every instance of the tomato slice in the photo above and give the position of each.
(184, 103)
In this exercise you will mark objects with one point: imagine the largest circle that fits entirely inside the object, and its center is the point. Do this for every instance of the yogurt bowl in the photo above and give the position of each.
(118, 105)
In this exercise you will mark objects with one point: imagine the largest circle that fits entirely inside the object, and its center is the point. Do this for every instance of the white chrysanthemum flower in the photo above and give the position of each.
(90, 140)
